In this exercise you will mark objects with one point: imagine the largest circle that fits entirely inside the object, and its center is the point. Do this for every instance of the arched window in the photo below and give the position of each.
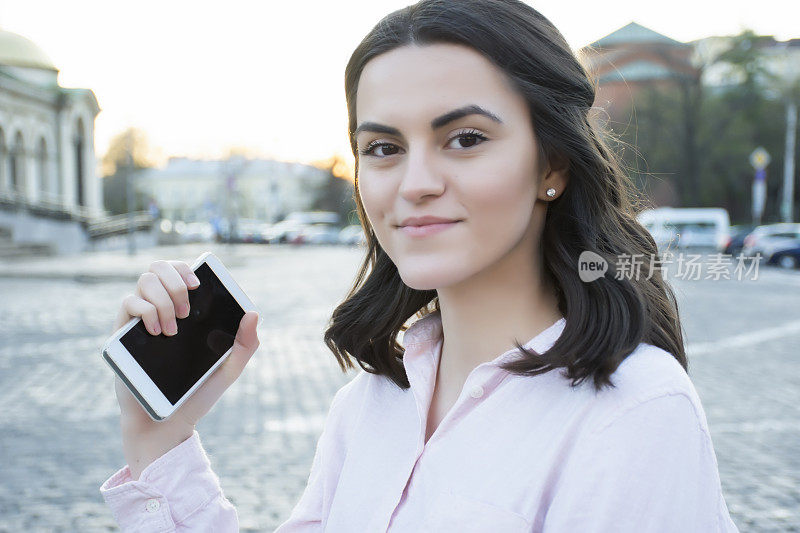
(79, 142)
(17, 164)
(3, 162)
(41, 170)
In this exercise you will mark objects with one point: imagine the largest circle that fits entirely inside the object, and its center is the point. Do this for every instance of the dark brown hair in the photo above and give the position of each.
(606, 319)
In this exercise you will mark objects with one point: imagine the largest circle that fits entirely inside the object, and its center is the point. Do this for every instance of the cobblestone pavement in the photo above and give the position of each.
(59, 434)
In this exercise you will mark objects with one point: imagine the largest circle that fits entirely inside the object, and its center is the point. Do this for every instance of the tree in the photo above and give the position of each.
(131, 142)
(336, 193)
(653, 146)
(697, 140)
(128, 153)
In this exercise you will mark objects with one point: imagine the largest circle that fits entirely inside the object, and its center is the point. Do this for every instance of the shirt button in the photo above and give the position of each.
(153, 505)
(476, 392)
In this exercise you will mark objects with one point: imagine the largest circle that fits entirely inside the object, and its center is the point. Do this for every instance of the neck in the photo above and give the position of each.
(483, 315)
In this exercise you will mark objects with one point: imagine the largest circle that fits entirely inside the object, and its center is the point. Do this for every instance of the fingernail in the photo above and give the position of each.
(172, 328)
(183, 310)
(156, 329)
(193, 281)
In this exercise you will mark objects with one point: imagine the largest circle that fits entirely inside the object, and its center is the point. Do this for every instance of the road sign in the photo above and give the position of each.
(760, 158)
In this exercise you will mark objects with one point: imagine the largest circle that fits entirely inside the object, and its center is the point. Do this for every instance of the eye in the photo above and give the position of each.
(467, 139)
(387, 149)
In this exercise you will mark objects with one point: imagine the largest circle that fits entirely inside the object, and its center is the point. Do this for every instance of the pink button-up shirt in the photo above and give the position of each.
(514, 453)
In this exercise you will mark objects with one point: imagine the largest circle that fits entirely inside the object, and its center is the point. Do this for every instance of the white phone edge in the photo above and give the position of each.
(136, 379)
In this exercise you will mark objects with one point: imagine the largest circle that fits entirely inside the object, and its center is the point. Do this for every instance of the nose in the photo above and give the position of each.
(421, 177)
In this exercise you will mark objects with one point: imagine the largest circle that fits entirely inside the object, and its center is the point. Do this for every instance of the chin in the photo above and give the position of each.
(423, 276)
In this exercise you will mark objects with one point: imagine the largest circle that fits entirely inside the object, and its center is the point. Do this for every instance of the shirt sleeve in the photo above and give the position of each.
(649, 469)
(176, 492)
(311, 511)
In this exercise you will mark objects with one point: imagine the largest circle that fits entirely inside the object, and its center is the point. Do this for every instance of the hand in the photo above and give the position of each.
(162, 295)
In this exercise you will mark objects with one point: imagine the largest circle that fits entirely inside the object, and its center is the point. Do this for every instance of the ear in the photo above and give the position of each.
(556, 176)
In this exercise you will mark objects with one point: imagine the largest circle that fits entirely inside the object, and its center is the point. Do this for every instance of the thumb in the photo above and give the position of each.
(244, 346)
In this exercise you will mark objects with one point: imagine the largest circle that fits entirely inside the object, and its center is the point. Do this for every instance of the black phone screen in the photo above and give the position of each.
(176, 363)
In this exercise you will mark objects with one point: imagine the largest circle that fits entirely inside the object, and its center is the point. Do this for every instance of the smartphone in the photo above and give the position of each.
(162, 372)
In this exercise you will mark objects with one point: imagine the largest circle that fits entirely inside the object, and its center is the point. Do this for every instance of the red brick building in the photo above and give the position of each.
(633, 58)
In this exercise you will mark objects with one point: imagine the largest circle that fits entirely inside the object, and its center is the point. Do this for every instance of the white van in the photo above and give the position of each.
(687, 227)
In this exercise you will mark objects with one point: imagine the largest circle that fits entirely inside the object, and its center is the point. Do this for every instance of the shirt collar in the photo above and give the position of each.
(426, 333)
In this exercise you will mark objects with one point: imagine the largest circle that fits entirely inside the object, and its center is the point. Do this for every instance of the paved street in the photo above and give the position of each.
(59, 435)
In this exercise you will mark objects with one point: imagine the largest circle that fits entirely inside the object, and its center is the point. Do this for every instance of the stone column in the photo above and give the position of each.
(67, 163)
(30, 174)
(92, 188)
(54, 177)
(4, 178)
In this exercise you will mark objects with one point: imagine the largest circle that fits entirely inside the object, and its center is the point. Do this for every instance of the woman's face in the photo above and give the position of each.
(443, 133)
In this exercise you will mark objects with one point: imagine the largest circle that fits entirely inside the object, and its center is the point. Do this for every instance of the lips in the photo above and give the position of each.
(426, 220)
(425, 230)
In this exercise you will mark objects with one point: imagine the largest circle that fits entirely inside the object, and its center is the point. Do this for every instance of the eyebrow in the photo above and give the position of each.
(436, 123)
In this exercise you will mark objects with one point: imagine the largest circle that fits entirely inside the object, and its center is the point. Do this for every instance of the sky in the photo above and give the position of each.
(201, 77)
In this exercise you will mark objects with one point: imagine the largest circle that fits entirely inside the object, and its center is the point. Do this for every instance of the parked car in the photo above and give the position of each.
(318, 234)
(243, 230)
(248, 230)
(687, 227)
(314, 217)
(285, 231)
(736, 239)
(180, 232)
(769, 238)
(352, 234)
(786, 257)
(198, 232)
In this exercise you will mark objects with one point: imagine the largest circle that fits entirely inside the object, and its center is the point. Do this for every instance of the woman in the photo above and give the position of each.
(480, 181)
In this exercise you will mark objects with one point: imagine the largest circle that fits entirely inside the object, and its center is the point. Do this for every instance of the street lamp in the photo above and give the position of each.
(787, 203)
(129, 192)
(786, 75)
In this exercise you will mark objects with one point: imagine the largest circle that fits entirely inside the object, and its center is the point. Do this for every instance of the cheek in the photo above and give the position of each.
(504, 214)
(502, 197)
(374, 199)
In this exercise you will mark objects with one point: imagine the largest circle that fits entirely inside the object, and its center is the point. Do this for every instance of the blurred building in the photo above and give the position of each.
(634, 58)
(779, 60)
(48, 187)
(196, 190)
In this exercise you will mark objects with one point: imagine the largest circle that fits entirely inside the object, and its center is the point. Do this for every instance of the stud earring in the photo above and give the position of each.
(551, 192)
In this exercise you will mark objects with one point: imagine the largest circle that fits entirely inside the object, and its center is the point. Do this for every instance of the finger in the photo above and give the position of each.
(186, 273)
(244, 346)
(122, 317)
(151, 289)
(176, 288)
(135, 306)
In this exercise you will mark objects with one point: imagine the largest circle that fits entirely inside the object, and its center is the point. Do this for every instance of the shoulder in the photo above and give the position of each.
(364, 388)
(648, 370)
(366, 393)
(644, 460)
(650, 382)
